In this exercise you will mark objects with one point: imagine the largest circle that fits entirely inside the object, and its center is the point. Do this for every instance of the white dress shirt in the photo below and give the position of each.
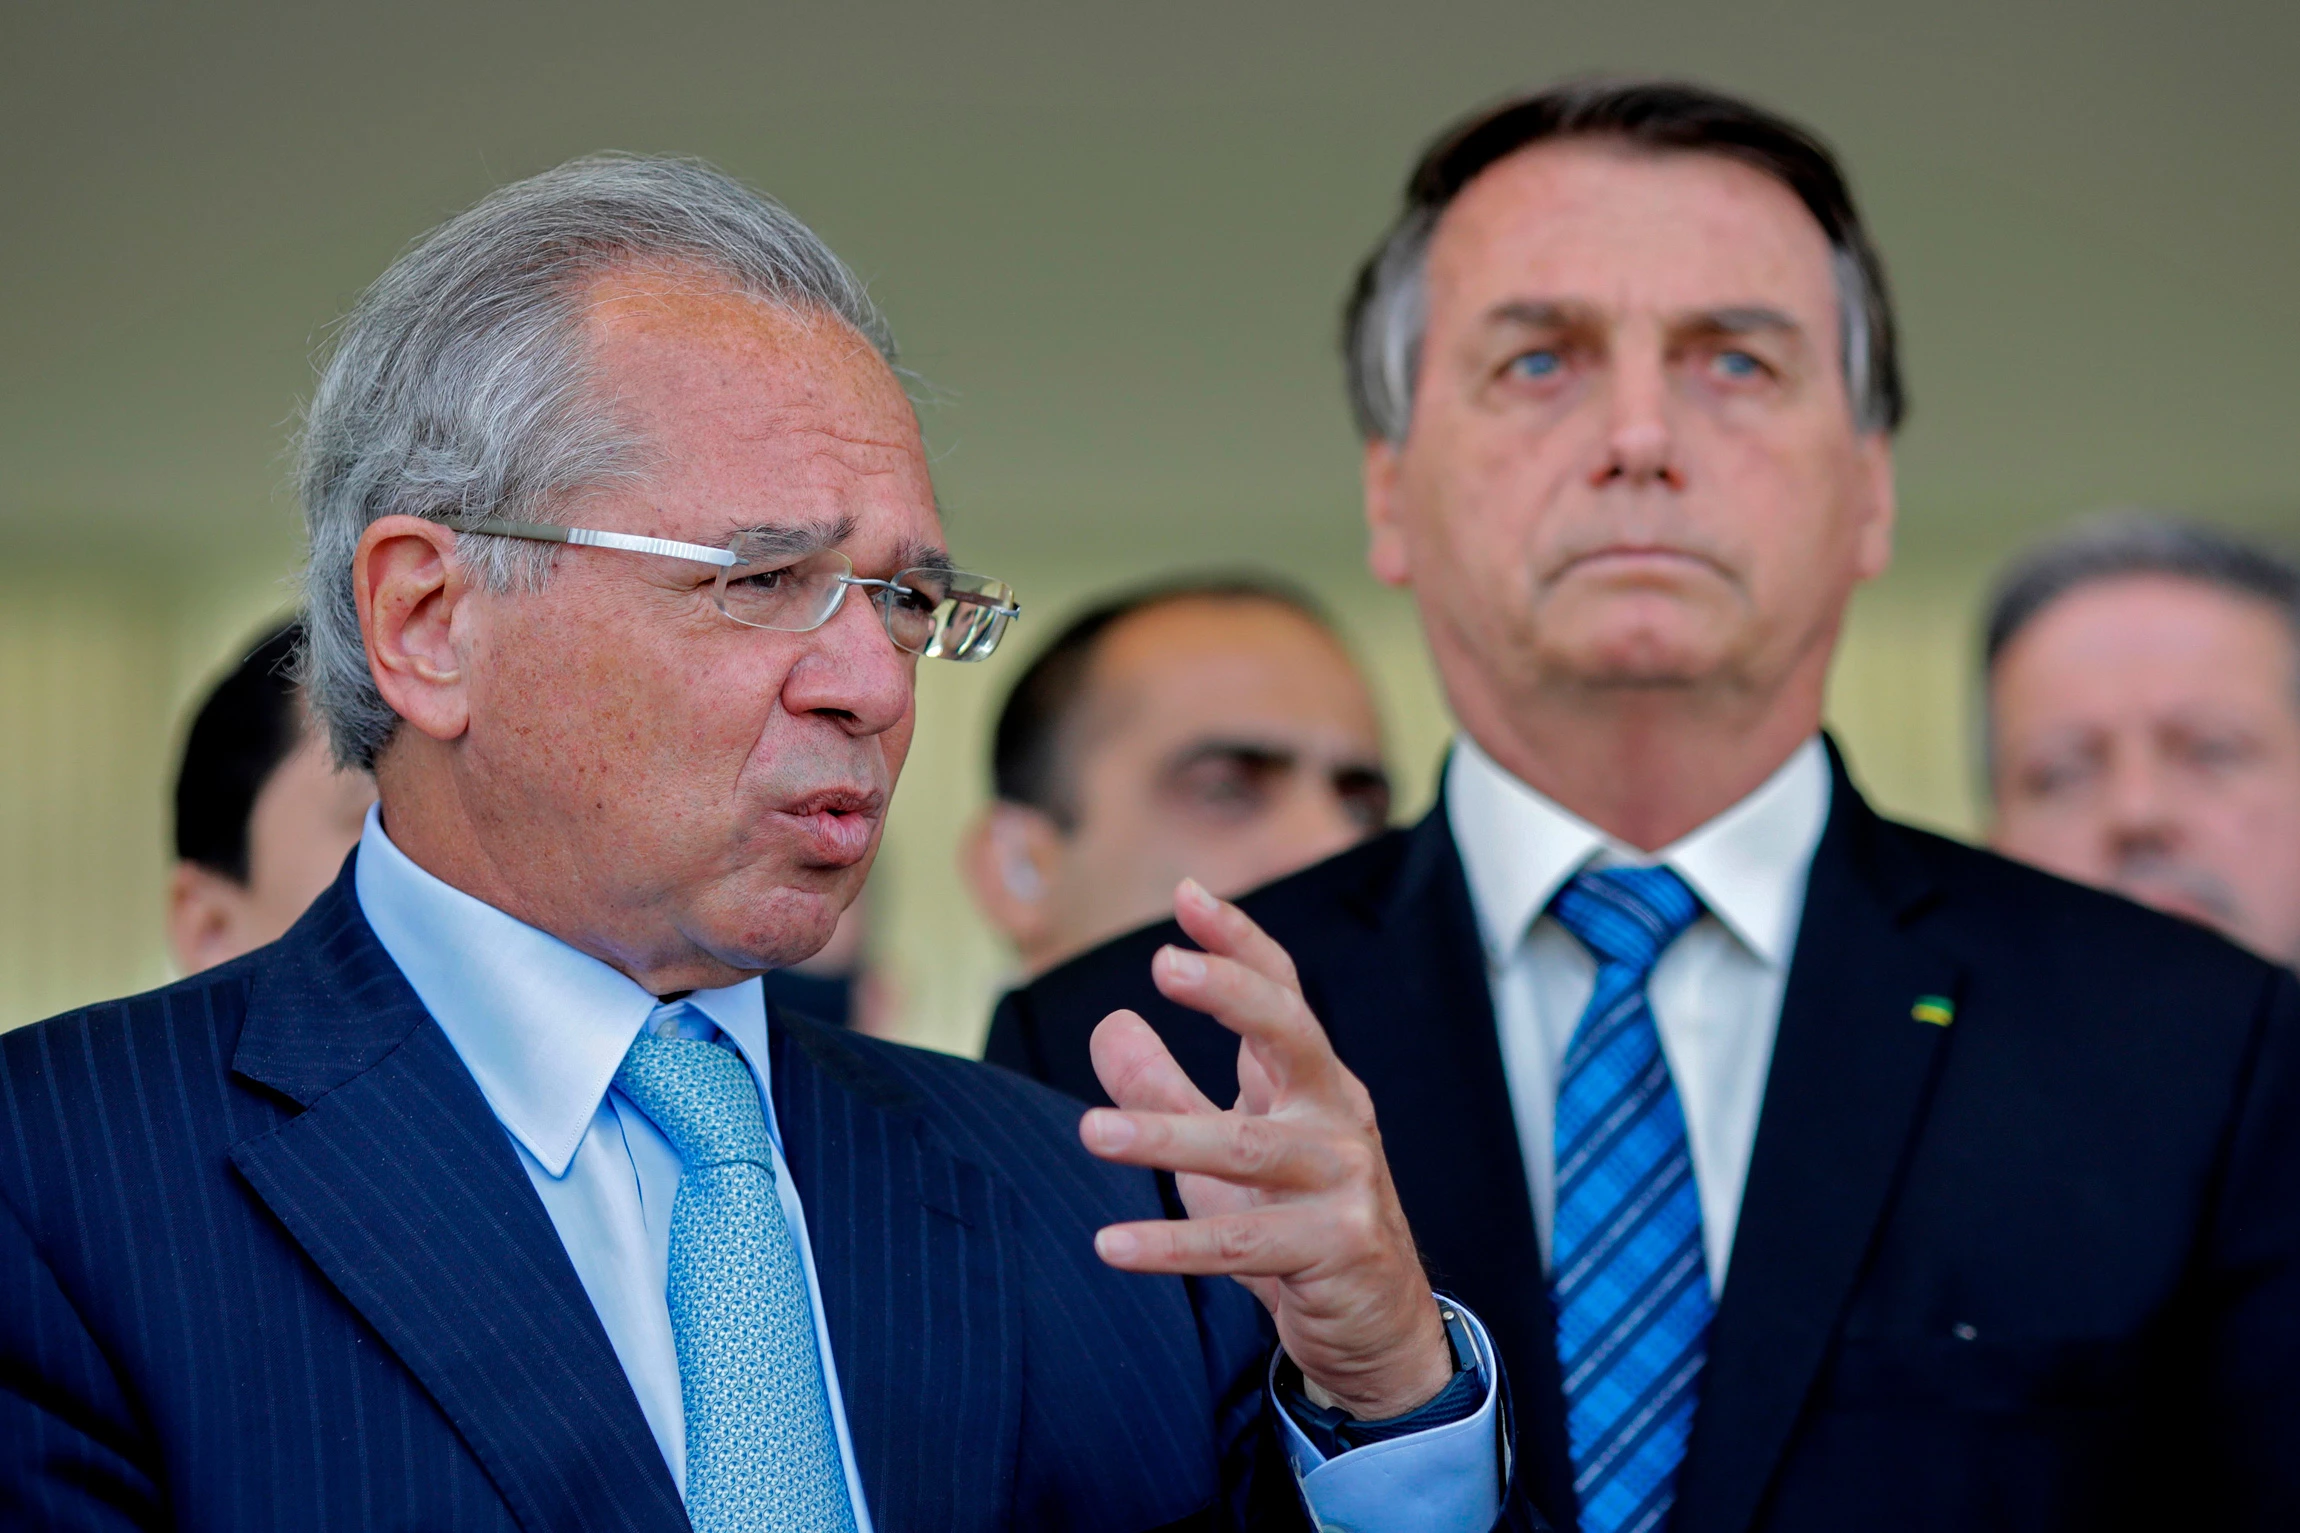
(543, 1028)
(1716, 992)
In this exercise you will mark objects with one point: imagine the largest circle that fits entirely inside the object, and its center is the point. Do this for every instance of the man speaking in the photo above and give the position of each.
(491, 1196)
(1814, 1173)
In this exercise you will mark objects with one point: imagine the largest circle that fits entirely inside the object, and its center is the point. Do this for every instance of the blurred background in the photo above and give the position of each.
(1113, 241)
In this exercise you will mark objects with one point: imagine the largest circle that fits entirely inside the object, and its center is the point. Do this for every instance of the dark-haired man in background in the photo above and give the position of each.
(263, 813)
(1813, 1172)
(1214, 729)
(2144, 722)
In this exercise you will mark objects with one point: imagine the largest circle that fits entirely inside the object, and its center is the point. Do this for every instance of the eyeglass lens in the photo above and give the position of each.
(946, 615)
(782, 595)
(938, 614)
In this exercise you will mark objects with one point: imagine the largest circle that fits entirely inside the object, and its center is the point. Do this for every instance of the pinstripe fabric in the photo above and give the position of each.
(1631, 1287)
(899, 1154)
(269, 1262)
(181, 1363)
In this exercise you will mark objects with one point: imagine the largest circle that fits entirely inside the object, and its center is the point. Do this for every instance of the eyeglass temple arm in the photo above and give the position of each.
(538, 532)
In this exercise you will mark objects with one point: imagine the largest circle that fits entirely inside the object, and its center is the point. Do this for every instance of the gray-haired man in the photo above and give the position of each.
(491, 1195)
(2144, 722)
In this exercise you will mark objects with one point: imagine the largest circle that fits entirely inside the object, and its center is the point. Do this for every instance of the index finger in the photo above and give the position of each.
(1221, 927)
(1138, 1070)
(1280, 1034)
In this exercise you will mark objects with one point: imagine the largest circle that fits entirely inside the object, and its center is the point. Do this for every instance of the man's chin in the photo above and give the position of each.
(771, 928)
(1641, 659)
(2202, 906)
(1637, 635)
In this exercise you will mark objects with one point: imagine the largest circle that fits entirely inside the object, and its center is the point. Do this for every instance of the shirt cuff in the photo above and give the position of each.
(1444, 1479)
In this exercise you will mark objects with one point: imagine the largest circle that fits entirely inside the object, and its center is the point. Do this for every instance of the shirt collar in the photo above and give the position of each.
(1748, 865)
(541, 1026)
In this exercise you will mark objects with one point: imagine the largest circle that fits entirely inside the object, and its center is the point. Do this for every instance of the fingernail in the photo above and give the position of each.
(1115, 1245)
(1194, 893)
(1185, 965)
(1106, 1130)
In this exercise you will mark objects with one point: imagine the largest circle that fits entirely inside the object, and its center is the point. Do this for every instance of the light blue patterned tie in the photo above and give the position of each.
(761, 1451)
(1629, 1279)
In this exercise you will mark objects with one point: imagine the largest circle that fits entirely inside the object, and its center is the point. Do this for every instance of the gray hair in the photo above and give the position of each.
(2117, 545)
(459, 388)
(1388, 309)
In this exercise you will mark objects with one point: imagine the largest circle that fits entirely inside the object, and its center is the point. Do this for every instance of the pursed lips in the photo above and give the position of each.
(838, 823)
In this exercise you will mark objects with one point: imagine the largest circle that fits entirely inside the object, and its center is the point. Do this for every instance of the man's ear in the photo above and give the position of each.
(1386, 553)
(205, 917)
(408, 586)
(1008, 859)
(1875, 550)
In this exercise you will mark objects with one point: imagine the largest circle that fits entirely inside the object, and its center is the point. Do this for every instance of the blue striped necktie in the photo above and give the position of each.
(1628, 1276)
(762, 1455)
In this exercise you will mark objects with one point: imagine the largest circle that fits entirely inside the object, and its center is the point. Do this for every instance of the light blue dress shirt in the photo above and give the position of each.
(543, 1028)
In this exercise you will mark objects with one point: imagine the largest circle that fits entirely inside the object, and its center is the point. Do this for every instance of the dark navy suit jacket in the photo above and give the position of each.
(267, 1260)
(2038, 1269)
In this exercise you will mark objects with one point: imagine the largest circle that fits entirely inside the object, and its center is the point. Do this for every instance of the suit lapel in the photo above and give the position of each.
(1850, 1076)
(920, 1286)
(1412, 1015)
(402, 1188)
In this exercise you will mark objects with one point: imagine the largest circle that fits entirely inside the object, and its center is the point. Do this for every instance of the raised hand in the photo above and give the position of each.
(1288, 1190)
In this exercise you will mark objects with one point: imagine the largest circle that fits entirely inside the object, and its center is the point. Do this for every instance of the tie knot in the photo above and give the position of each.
(701, 1096)
(1626, 916)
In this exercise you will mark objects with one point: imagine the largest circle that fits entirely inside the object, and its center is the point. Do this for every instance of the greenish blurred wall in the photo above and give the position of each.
(1112, 239)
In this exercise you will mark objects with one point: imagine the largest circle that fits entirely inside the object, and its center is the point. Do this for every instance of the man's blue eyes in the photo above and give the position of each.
(1548, 364)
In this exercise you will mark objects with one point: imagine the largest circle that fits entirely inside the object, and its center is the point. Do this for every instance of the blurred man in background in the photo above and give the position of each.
(1212, 729)
(2144, 722)
(263, 814)
(1814, 1173)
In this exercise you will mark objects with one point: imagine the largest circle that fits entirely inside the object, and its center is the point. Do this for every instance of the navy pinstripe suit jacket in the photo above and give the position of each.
(267, 1260)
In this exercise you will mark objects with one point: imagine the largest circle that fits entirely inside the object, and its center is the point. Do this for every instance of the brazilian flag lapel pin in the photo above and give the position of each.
(1936, 1010)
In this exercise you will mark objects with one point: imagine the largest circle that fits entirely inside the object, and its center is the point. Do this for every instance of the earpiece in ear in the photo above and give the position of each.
(1021, 878)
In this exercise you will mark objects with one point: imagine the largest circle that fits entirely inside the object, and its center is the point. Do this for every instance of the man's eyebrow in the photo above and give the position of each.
(1547, 314)
(1741, 319)
(793, 540)
(1257, 753)
(768, 540)
(916, 555)
(1536, 314)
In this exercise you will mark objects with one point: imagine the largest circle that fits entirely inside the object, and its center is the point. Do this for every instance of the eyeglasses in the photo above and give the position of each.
(936, 613)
